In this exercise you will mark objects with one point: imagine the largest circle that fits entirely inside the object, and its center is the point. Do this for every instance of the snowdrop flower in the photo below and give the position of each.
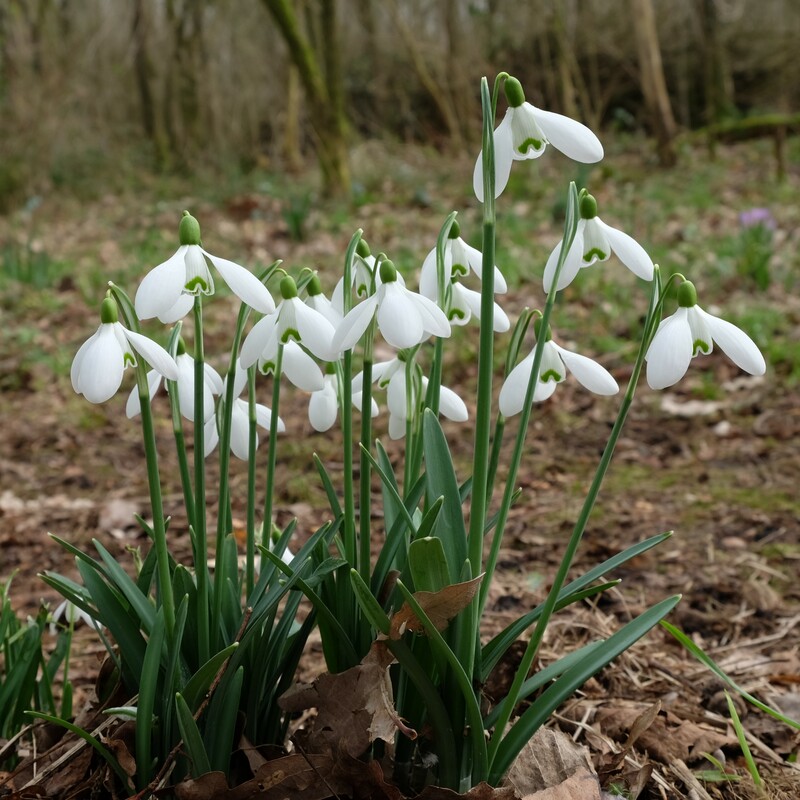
(556, 362)
(691, 331)
(167, 290)
(292, 322)
(240, 420)
(212, 385)
(459, 259)
(101, 360)
(323, 407)
(595, 241)
(362, 276)
(405, 318)
(317, 300)
(391, 375)
(71, 614)
(526, 131)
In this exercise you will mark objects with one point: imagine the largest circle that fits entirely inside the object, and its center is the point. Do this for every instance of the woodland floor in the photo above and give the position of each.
(720, 468)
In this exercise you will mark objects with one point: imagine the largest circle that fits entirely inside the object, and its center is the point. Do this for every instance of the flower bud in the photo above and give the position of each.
(388, 272)
(687, 295)
(588, 207)
(514, 93)
(108, 311)
(288, 287)
(189, 229)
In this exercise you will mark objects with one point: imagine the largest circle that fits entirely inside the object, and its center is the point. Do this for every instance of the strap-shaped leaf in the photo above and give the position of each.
(428, 564)
(198, 684)
(535, 716)
(330, 490)
(148, 688)
(221, 720)
(442, 482)
(494, 649)
(192, 740)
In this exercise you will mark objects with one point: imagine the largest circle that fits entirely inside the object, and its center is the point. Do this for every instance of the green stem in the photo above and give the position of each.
(510, 701)
(251, 482)
(201, 555)
(266, 530)
(364, 476)
(183, 461)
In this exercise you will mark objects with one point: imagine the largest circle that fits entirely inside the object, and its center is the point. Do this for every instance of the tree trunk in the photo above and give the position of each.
(653, 83)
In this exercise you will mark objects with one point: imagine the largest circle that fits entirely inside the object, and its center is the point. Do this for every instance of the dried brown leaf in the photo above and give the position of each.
(354, 708)
(480, 792)
(440, 607)
(583, 785)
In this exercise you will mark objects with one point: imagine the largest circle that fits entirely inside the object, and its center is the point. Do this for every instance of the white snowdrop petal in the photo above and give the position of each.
(182, 306)
(162, 286)
(543, 391)
(434, 320)
(213, 379)
(670, 351)
(322, 409)
(629, 252)
(243, 284)
(353, 325)
(588, 373)
(398, 318)
(596, 246)
(264, 418)
(572, 263)
(452, 406)
(572, 138)
(529, 141)
(240, 430)
(101, 367)
(75, 370)
(512, 393)
(154, 354)
(301, 369)
(427, 277)
(257, 340)
(210, 436)
(322, 305)
(396, 394)
(503, 157)
(397, 427)
(134, 407)
(316, 333)
(186, 388)
(500, 321)
(735, 343)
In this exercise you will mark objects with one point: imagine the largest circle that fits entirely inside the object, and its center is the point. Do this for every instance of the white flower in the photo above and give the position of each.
(459, 259)
(595, 241)
(71, 614)
(525, 133)
(240, 421)
(101, 360)
(292, 322)
(556, 362)
(212, 385)
(362, 275)
(319, 303)
(691, 331)
(391, 375)
(167, 290)
(405, 318)
(323, 406)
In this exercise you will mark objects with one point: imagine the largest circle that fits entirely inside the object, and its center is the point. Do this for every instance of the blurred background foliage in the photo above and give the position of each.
(95, 91)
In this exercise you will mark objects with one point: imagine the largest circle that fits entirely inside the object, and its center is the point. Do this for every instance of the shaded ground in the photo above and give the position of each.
(719, 467)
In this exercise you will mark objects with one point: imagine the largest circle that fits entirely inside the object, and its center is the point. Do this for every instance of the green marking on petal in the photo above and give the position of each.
(595, 252)
(459, 269)
(536, 144)
(267, 367)
(700, 346)
(196, 285)
(457, 313)
(550, 375)
(128, 360)
(289, 334)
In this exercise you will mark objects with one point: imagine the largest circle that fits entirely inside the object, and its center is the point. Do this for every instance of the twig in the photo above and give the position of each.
(318, 773)
(168, 761)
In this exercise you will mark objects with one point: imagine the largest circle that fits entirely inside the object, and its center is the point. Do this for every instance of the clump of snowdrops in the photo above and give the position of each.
(205, 655)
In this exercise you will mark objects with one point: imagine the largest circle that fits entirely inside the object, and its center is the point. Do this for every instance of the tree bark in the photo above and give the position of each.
(326, 113)
(653, 83)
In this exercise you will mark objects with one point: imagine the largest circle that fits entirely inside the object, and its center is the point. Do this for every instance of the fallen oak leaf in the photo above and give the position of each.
(354, 707)
(440, 607)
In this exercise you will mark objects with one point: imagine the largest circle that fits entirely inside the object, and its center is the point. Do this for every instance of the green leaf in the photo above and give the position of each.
(193, 741)
(330, 490)
(537, 714)
(141, 604)
(369, 605)
(428, 564)
(198, 684)
(494, 649)
(148, 688)
(221, 720)
(709, 662)
(442, 482)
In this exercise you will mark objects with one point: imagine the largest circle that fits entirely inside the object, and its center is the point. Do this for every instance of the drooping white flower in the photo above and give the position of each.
(362, 276)
(459, 259)
(167, 290)
(323, 406)
(317, 300)
(526, 131)
(405, 318)
(212, 385)
(72, 615)
(691, 331)
(555, 364)
(292, 322)
(240, 420)
(100, 362)
(595, 241)
(402, 399)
